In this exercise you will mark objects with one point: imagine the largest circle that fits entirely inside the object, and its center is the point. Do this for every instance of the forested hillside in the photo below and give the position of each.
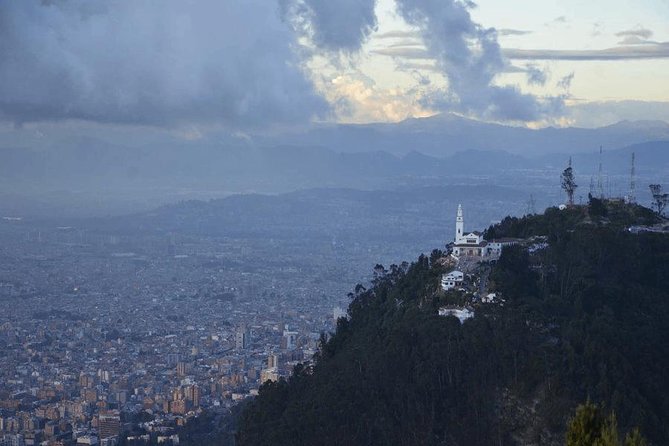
(584, 318)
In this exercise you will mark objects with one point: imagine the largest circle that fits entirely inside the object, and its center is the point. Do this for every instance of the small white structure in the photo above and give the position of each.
(461, 313)
(338, 312)
(451, 280)
(489, 298)
(495, 247)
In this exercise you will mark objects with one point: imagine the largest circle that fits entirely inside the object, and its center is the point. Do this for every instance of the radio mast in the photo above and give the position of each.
(632, 195)
(600, 185)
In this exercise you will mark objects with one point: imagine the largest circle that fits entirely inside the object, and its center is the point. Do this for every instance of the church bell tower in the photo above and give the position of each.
(459, 225)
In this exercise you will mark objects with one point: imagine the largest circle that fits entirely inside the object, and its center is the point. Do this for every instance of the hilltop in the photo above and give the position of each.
(580, 316)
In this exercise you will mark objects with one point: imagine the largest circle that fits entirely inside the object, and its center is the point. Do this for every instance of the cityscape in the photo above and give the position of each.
(97, 340)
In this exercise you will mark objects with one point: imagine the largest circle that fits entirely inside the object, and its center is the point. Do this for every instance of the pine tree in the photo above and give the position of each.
(584, 428)
(588, 427)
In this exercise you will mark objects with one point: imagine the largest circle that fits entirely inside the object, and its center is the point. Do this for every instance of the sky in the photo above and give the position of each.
(264, 65)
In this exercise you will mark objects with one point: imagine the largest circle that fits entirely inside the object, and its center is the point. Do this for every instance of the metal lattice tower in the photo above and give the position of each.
(632, 196)
(531, 206)
(600, 184)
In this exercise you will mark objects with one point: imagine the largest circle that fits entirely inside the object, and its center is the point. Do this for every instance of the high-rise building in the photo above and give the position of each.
(192, 394)
(289, 340)
(109, 425)
(242, 337)
(183, 368)
(273, 361)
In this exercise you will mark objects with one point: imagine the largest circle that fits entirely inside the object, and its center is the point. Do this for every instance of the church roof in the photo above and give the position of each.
(471, 245)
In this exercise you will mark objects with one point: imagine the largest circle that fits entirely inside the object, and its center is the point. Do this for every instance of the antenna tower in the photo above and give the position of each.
(531, 206)
(632, 196)
(600, 185)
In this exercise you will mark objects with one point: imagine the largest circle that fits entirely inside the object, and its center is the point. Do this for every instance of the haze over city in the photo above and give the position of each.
(197, 197)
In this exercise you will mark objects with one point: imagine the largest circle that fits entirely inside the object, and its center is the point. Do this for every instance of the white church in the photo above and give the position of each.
(467, 244)
(472, 244)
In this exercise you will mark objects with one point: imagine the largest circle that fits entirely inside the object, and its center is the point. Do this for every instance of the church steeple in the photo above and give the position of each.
(459, 225)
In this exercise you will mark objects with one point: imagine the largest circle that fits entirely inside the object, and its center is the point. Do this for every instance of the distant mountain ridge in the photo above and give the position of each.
(445, 134)
(85, 172)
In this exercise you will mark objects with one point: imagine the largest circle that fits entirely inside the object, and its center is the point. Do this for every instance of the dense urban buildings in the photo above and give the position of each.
(106, 338)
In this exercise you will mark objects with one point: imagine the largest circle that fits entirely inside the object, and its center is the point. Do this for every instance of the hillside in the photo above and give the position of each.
(579, 316)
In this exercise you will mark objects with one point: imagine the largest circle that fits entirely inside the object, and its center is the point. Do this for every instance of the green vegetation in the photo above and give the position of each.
(584, 318)
(589, 427)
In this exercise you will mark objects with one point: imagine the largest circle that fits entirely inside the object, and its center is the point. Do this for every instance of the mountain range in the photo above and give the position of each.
(103, 175)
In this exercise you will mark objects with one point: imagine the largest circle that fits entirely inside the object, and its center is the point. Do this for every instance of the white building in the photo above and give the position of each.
(495, 246)
(467, 244)
(451, 280)
(472, 244)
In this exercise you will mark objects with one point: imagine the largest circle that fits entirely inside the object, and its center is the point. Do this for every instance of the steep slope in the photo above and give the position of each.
(583, 316)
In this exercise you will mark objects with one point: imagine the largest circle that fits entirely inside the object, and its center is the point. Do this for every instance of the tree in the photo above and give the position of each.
(588, 427)
(585, 427)
(634, 438)
(660, 200)
(596, 207)
(568, 183)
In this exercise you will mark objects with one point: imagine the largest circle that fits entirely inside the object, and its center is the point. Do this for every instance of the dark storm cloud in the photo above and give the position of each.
(470, 57)
(152, 62)
(333, 25)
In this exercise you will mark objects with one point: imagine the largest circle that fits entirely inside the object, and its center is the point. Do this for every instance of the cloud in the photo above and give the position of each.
(514, 69)
(357, 98)
(654, 50)
(635, 40)
(565, 82)
(596, 29)
(160, 63)
(404, 52)
(333, 25)
(512, 32)
(535, 75)
(641, 33)
(418, 66)
(396, 34)
(470, 57)
(635, 36)
(417, 42)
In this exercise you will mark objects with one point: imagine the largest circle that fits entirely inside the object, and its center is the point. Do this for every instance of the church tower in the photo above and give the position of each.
(459, 225)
